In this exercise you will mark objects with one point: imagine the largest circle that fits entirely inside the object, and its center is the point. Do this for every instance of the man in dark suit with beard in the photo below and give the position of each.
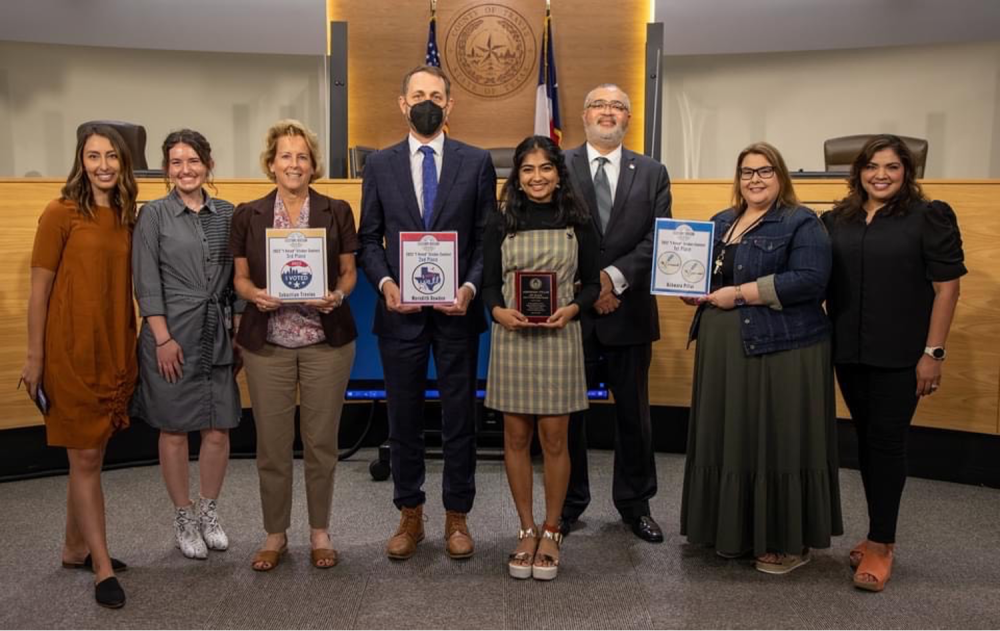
(625, 192)
(428, 182)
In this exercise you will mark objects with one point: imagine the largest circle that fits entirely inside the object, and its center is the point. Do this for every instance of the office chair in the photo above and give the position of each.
(503, 160)
(840, 152)
(134, 137)
(356, 160)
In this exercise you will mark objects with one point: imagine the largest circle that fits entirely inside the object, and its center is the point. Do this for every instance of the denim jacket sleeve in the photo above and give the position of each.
(807, 271)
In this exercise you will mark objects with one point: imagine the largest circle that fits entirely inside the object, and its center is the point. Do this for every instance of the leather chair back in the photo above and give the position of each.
(356, 157)
(134, 136)
(503, 160)
(840, 152)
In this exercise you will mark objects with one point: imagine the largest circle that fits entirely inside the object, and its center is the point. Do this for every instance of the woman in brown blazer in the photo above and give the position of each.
(302, 348)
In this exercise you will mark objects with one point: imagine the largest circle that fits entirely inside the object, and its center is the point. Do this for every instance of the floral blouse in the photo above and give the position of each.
(294, 326)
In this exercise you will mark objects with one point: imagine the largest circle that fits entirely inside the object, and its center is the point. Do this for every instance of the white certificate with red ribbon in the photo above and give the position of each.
(296, 263)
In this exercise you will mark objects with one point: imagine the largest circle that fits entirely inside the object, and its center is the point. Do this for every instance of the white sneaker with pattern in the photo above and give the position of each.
(188, 535)
(208, 522)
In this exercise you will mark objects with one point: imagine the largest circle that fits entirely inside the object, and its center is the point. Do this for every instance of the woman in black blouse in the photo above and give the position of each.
(536, 363)
(897, 259)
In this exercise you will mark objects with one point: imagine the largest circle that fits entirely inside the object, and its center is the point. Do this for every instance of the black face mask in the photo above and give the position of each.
(426, 117)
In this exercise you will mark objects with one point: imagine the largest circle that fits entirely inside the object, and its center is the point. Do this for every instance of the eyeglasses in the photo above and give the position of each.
(765, 173)
(617, 106)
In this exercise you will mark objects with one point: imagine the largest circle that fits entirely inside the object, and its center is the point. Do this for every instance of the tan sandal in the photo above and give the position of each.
(323, 554)
(778, 563)
(857, 554)
(519, 563)
(876, 565)
(271, 557)
(551, 570)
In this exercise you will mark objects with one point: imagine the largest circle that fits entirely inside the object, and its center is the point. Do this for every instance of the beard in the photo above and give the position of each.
(613, 136)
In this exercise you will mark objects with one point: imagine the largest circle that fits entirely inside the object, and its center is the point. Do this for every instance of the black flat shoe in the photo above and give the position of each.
(109, 593)
(88, 564)
(647, 529)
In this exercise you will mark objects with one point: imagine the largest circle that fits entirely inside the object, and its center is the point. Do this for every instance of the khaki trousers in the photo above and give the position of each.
(319, 374)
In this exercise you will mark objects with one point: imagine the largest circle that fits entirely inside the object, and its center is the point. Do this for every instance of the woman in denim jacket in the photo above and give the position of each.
(761, 472)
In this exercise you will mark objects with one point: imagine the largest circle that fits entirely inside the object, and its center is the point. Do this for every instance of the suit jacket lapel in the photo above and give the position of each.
(581, 169)
(626, 175)
(451, 164)
(404, 180)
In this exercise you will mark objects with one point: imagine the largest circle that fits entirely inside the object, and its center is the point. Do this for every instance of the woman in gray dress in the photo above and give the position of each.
(536, 365)
(187, 364)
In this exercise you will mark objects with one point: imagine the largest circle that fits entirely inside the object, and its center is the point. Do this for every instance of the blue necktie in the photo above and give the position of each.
(430, 184)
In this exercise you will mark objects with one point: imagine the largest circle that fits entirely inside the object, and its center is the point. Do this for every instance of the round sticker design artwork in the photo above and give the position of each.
(296, 274)
(669, 263)
(693, 271)
(428, 278)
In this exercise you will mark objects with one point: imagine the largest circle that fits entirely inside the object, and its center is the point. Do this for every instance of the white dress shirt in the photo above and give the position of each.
(417, 164)
(611, 169)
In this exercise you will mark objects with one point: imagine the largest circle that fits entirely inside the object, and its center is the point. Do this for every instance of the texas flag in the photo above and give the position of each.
(547, 95)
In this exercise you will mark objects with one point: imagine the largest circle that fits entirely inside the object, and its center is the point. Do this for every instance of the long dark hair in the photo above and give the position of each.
(78, 188)
(910, 192)
(514, 202)
(197, 142)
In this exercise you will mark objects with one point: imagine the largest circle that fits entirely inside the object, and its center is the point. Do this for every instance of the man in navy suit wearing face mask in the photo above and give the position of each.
(428, 182)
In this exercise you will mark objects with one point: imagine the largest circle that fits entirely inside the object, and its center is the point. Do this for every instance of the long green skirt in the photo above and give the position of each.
(761, 472)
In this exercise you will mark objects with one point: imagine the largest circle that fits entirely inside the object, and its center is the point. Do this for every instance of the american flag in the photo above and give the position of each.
(432, 58)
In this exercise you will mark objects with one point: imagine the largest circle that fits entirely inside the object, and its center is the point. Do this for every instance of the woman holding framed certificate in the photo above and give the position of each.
(183, 276)
(761, 470)
(897, 261)
(81, 336)
(303, 348)
(539, 271)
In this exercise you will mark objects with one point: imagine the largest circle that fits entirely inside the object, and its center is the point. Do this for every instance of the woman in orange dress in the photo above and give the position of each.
(81, 336)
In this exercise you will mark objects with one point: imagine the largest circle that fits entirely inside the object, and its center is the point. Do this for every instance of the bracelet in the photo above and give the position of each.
(167, 341)
(338, 292)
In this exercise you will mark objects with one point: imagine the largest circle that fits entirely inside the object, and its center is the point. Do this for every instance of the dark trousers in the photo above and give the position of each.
(404, 364)
(882, 402)
(626, 371)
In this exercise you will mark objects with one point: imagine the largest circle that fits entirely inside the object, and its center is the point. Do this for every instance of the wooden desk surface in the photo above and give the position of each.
(969, 399)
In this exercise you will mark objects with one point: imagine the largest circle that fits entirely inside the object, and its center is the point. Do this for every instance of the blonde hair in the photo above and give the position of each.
(786, 191)
(290, 127)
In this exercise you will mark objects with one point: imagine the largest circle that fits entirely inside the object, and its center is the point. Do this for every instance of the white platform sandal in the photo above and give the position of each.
(520, 563)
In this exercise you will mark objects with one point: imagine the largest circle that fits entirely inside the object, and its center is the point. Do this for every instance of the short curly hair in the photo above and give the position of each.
(290, 127)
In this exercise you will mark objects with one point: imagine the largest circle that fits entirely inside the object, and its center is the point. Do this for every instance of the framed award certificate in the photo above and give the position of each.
(535, 294)
(296, 263)
(682, 251)
(428, 268)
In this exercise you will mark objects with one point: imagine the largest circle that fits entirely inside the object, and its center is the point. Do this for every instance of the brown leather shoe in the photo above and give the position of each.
(403, 544)
(458, 541)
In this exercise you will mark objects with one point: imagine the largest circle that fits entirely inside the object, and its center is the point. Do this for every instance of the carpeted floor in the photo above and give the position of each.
(947, 573)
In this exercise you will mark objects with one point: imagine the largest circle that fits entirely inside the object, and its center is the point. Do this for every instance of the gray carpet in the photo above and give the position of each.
(947, 573)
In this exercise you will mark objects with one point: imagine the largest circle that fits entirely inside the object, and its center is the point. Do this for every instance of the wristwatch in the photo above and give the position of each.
(740, 300)
(936, 352)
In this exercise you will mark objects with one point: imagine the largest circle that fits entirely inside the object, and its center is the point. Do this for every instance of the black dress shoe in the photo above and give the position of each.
(566, 525)
(109, 593)
(647, 529)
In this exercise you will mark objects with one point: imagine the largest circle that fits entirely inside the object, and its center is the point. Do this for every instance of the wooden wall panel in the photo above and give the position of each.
(970, 395)
(595, 42)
